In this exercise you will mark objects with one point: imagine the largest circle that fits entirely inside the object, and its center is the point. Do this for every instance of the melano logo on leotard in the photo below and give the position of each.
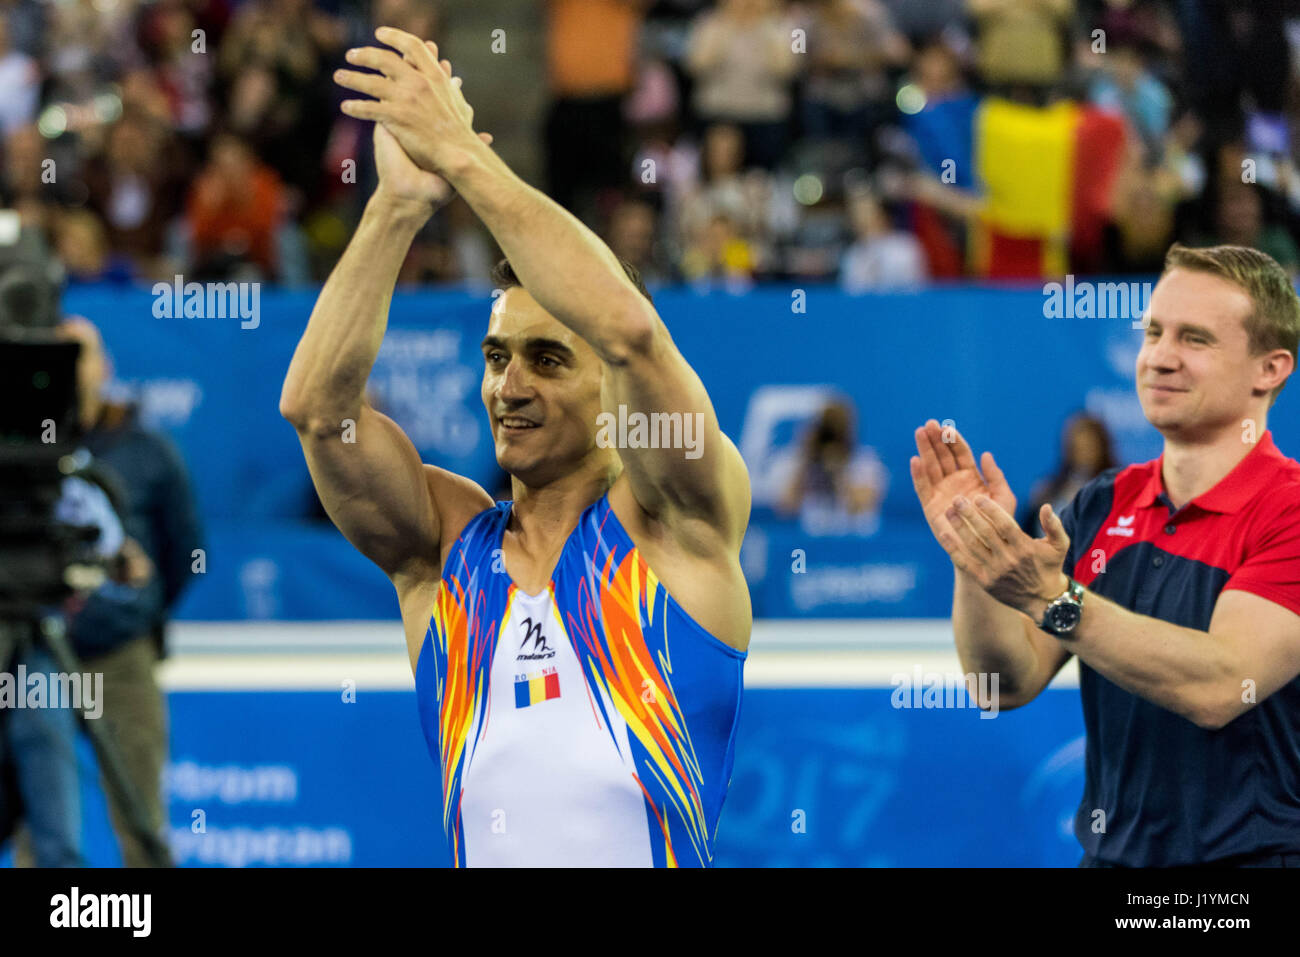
(536, 687)
(539, 650)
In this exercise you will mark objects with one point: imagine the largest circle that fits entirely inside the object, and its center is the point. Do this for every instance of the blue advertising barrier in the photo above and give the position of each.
(278, 571)
(900, 572)
(989, 360)
(823, 777)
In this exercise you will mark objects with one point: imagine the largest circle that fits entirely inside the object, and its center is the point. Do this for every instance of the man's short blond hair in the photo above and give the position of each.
(1274, 319)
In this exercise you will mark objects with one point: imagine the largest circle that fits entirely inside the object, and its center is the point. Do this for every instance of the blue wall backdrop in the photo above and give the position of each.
(986, 358)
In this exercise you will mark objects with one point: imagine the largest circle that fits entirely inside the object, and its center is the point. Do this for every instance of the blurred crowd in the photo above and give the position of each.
(874, 143)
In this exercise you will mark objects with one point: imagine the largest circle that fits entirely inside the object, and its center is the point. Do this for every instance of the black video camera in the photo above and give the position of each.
(39, 430)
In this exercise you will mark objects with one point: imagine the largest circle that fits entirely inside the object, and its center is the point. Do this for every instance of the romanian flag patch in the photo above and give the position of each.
(536, 686)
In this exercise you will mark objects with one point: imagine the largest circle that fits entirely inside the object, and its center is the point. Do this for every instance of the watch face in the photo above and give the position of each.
(1064, 617)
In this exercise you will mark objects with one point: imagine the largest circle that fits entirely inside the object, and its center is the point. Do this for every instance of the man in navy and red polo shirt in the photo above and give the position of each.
(1176, 583)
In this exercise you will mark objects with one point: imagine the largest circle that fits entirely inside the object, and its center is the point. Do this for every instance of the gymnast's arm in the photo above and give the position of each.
(702, 490)
(365, 469)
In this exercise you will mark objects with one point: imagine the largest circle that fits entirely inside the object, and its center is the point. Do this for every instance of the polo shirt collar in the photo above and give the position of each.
(1232, 492)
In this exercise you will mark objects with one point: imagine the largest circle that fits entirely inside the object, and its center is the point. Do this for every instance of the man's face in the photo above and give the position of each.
(541, 389)
(1195, 373)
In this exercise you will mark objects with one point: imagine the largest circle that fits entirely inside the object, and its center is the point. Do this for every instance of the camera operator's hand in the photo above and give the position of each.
(133, 566)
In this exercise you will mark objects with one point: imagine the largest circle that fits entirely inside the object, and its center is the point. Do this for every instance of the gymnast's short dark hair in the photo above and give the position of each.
(503, 277)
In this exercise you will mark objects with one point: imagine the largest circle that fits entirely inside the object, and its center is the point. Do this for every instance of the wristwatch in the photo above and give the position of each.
(1064, 611)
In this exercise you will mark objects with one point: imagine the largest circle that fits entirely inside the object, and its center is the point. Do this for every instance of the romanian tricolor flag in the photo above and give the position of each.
(1047, 175)
(536, 687)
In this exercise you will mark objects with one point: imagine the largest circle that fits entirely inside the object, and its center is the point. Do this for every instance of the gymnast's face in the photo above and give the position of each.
(541, 389)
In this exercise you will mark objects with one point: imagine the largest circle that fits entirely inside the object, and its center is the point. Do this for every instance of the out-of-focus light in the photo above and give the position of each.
(105, 6)
(53, 122)
(910, 99)
(808, 189)
(108, 107)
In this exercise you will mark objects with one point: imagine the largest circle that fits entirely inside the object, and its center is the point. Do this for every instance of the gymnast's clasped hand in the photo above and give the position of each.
(419, 103)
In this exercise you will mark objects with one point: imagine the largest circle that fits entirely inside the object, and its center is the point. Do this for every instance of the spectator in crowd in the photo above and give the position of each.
(1148, 195)
(142, 96)
(273, 61)
(938, 68)
(815, 248)
(135, 195)
(1020, 44)
(28, 21)
(1240, 220)
(881, 256)
(720, 253)
(21, 81)
(423, 18)
(1231, 50)
(89, 45)
(185, 78)
(452, 248)
(741, 55)
(719, 187)
(1086, 452)
(664, 159)
(847, 93)
(1125, 85)
(649, 98)
(747, 198)
(591, 58)
(1182, 162)
(654, 100)
(22, 187)
(234, 210)
(943, 131)
(1141, 226)
(633, 235)
(81, 243)
(924, 18)
(119, 632)
(835, 486)
(667, 167)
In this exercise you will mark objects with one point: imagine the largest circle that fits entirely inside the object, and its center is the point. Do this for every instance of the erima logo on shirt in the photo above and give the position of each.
(1123, 528)
(540, 650)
